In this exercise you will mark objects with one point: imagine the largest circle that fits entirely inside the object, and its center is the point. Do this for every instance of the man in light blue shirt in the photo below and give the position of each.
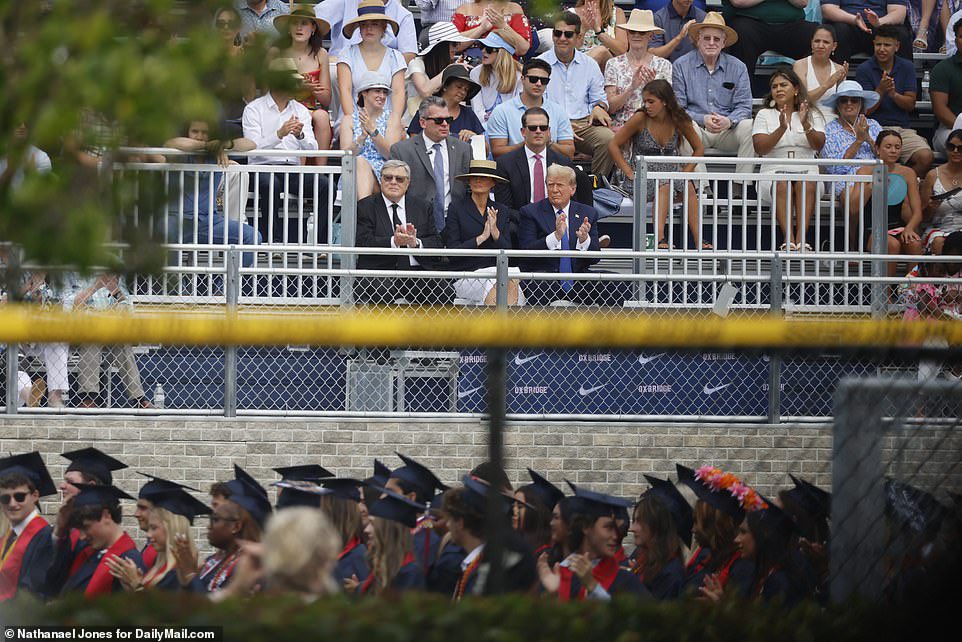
(578, 86)
(257, 16)
(504, 125)
(713, 87)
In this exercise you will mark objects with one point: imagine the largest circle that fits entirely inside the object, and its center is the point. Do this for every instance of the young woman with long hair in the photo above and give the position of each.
(370, 55)
(662, 523)
(394, 566)
(531, 519)
(657, 130)
(499, 76)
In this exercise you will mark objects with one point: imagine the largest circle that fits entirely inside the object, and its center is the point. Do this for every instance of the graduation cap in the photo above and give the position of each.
(397, 508)
(597, 504)
(720, 499)
(774, 522)
(304, 472)
(417, 475)
(549, 493)
(31, 466)
(98, 495)
(159, 485)
(250, 499)
(676, 503)
(913, 508)
(294, 493)
(476, 494)
(381, 473)
(247, 478)
(814, 500)
(180, 502)
(343, 487)
(94, 463)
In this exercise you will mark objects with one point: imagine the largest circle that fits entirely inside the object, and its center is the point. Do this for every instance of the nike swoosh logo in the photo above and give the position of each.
(710, 389)
(587, 391)
(519, 361)
(467, 393)
(642, 359)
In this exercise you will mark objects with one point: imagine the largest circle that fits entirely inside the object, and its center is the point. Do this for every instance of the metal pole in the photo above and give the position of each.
(12, 365)
(230, 352)
(495, 523)
(501, 296)
(640, 206)
(348, 225)
(879, 237)
(775, 360)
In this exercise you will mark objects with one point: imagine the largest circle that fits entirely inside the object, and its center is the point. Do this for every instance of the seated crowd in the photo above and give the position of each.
(488, 94)
(404, 530)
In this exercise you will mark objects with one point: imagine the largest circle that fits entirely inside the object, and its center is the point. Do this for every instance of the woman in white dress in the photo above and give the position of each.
(789, 127)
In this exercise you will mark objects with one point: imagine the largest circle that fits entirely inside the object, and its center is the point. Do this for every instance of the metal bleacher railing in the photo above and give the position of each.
(316, 277)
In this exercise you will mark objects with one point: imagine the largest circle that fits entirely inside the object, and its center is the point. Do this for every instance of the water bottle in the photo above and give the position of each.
(159, 399)
(311, 240)
(925, 86)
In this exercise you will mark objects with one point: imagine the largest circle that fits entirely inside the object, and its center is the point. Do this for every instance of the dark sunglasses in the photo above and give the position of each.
(557, 33)
(438, 120)
(226, 24)
(537, 128)
(849, 99)
(952, 147)
(18, 497)
(535, 80)
(393, 178)
(489, 50)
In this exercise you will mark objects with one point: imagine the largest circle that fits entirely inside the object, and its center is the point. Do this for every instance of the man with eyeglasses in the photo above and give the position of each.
(435, 158)
(580, 88)
(26, 550)
(397, 220)
(504, 125)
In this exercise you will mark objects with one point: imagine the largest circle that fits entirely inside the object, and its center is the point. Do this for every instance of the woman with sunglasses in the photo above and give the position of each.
(370, 131)
(370, 55)
(942, 196)
(302, 35)
(627, 74)
(602, 40)
(477, 19)
(904, 205)
(233, 97)
(498, 75)
(423, 75)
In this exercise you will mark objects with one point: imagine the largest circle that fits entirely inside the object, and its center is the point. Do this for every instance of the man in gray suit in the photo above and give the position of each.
(435, 158)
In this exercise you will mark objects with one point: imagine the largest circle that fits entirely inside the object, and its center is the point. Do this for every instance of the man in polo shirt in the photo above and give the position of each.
(257, 16)
(713, 87)
(675, 18)
(946, 89)
(504, 124)
(580, 88)
(768, 25)
(855, 21)
(894, 80)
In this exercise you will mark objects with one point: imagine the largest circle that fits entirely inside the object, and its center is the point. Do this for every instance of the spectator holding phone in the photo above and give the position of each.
(855, 22)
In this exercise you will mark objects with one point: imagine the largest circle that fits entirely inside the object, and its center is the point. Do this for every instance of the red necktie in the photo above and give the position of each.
(538, 179)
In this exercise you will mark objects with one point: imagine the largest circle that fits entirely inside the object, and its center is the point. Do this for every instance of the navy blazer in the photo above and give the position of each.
(464, 224)
(376, 229)
(537, 222)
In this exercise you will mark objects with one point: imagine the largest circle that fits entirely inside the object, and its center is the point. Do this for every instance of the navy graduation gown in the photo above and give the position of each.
(84, 573)
(352, 562)
(446, 570)
(426, 543)
(409, 578)
(33, 564)
(668, 583)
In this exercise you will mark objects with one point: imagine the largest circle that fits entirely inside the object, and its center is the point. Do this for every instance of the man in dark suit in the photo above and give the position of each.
(559, 223)
(395, 219)
(435, 158)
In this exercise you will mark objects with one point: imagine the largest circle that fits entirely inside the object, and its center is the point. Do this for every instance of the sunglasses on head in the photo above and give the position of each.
(557, 33)
(534, 80)
(952, 147)
(439, 120)
(18, 497)
(393, 178)
(537, 128)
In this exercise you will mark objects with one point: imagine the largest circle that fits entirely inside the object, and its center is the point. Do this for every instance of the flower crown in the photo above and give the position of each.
(718, 480)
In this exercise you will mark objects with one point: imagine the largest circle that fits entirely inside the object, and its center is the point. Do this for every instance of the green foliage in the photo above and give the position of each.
(427, 618)
(142, 68)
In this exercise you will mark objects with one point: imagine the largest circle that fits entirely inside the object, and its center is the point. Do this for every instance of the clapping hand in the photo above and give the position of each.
(592, 21)
(125, 571)
(185, 559)
(804, 112)
(350, 584)
(684, 29)
(871, 18)
(495, 17)
(584, 230)
(560, 225)
(642, 76)
(367, 123)
(784, 119)
(861, 129)
(550, 579)
(860, 23)
(886, 85)
(581, 566)
(491, 224)
(289, 127)
(712, 588)
(841, 74)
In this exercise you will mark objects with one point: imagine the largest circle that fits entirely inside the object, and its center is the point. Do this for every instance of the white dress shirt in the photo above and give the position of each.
(401, 214)
(19, 528)
(429, 144)
(544, 169)
(262, 119)
(554, 243)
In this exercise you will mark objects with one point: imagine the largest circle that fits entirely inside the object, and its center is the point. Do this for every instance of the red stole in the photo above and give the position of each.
(10, 566)
(352, 543)
(725, 570)
(149, 555)
(102, 581)
(604, 573)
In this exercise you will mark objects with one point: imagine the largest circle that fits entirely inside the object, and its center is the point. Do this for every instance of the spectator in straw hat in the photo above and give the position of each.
(340, 13)
(372, 23)
(457, 90)
(424, 73)
(714, 88)
(770, 25)
(676, 18)
(477, 221)
(627, 74)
